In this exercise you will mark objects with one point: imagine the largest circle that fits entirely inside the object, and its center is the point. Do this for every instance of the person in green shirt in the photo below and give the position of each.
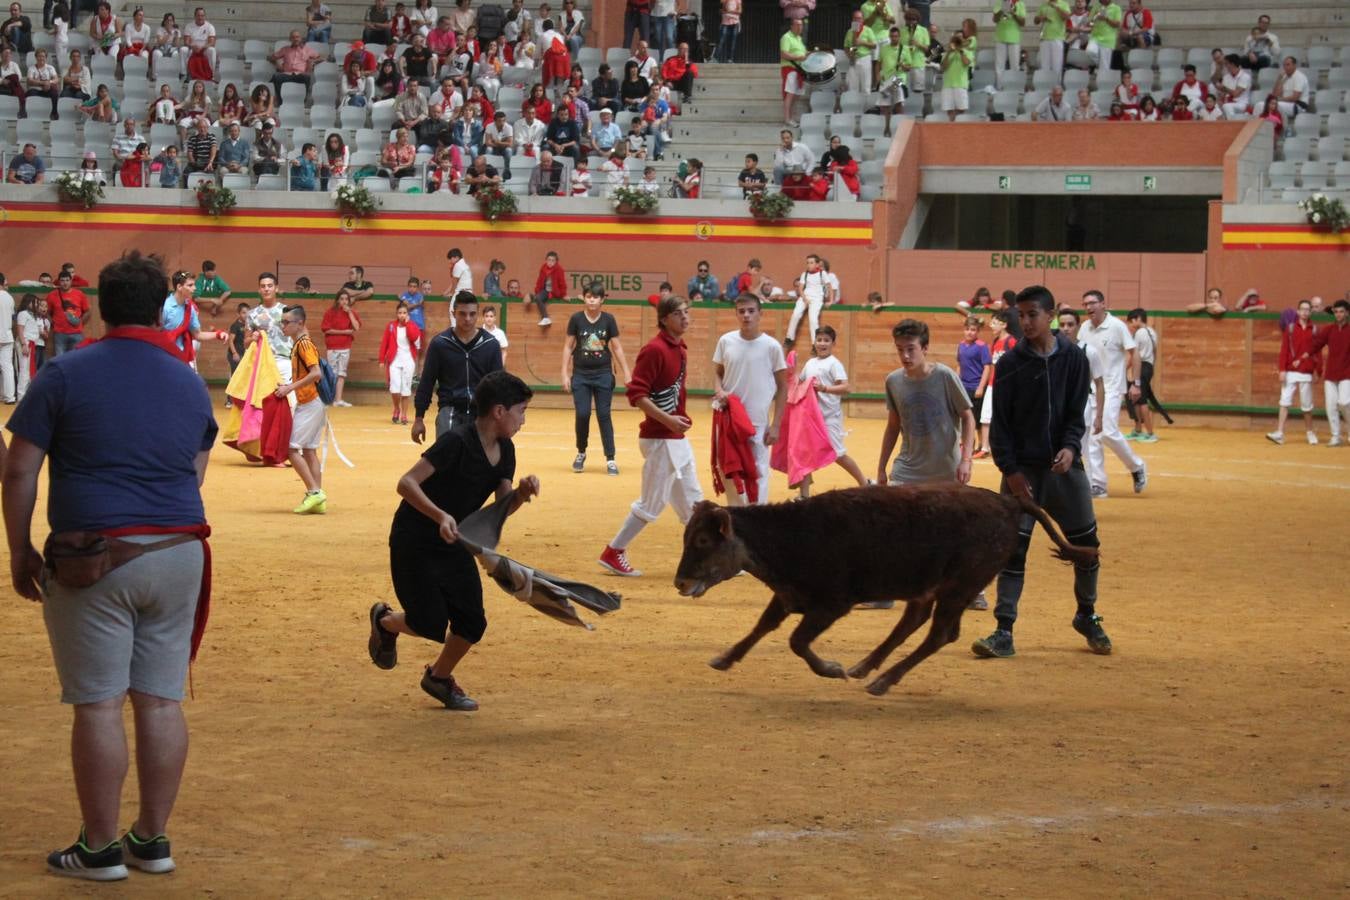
(956, 66)
(211, 288)
(791, 50)
(914, 41)
(1106, 19)
(859, 43)
(892, 76)
(1052, 16)
(1009, 17)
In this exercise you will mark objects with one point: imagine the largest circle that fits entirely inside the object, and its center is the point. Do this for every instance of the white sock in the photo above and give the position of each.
(628, 532)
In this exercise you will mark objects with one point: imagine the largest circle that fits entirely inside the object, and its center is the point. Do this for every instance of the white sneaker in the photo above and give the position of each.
(341, 403)
(545, 321)
(1275, 437)
(1335, 441)
(1312, 438)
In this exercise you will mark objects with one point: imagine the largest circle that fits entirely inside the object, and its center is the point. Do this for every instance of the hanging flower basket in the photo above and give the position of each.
(215, 200)
(495, 202)
(770, 207)
(628, 201)
(1322, 211)
(356, 200)
(76, 191)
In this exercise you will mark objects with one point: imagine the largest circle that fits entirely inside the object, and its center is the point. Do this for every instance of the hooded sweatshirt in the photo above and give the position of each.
(1038, 407)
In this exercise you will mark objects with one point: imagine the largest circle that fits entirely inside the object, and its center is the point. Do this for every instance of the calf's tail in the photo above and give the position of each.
(1063, 549)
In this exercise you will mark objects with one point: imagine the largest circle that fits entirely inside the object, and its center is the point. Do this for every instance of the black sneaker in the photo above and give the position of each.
(579, 464)
(383, 644)
(448, 691)
(998, 645)
(1090, 627)
(1140, 479)
(149, 854)
(79, 861)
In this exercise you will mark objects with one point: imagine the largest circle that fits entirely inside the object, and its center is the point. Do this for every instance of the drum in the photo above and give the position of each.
(818, 68)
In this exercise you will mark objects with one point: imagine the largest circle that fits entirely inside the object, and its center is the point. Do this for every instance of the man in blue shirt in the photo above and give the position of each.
(562, 136)
(605, 135)
(305, 170)
(129, 429)
(179, 308)
(27, 167)
(704, 282)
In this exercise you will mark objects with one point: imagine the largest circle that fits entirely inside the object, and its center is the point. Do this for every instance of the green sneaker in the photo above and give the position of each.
(1090, 627)
(315, 502)
(998, 645)
(148, 854)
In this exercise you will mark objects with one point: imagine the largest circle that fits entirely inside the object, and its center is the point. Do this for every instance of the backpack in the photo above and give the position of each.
(327, 383)
(491, 20)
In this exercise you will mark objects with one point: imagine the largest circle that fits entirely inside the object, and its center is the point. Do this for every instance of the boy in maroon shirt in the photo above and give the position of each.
(1299, 363)
(550, 285)
(668, 472)
(1336, 338)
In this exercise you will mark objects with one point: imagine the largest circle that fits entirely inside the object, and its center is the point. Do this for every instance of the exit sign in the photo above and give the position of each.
(1150, 182)
(1078, 182)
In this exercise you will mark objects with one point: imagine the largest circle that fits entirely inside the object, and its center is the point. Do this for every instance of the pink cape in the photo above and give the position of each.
(803, 441)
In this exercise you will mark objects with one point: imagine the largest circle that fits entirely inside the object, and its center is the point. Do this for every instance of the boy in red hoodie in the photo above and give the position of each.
(1299, 362)
(1336, 338)
(550, 285)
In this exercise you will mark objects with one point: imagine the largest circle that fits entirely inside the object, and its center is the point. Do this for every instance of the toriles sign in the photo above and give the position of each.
(621, 284)
(1068, 261)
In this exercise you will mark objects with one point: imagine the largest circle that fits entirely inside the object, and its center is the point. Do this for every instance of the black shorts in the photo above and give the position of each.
(439, 590)
(976, 404)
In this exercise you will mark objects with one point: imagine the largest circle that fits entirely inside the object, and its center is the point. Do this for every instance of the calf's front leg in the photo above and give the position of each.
(813, 625)
(772, 617)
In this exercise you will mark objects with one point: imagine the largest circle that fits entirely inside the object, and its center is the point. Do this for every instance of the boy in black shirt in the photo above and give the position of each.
(1036, 438)
(589, 353)
(435, 578)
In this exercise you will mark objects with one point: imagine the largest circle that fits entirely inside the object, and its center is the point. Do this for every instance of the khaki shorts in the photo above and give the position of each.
(307, 425)
(337, 361)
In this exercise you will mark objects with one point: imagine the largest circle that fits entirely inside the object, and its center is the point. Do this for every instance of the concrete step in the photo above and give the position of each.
(695, 131)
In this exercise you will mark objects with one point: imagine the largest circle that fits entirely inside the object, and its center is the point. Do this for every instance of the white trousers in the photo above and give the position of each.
(812, 310)
(1052, 57)
(1338, 404)
(1007, 65)
(1110, 437)
(761, 453)
(183, 56)
(668, 478)
(860, 76)
(1235, 110)
(7, 372)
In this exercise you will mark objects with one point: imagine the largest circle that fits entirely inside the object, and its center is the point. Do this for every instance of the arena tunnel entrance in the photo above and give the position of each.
(1074, 224)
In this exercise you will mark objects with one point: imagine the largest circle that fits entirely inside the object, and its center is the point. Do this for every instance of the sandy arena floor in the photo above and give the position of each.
(1206, 757)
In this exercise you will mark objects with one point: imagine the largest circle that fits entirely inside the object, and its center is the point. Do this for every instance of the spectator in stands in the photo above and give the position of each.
(305, 170)
(1106, 20)
(634, 88)
(376, 28)
(446, 171)
(359, 54)
(605, 90)
(137, 37)
(234, 153)
(294, 64)
(1009, 18)
(892, 75)
(17, 30)
(199, 38)
(581, 178)
(166, 164)
(398, 157)
(1212, 111)
(843, 165)
(1291, 89)
(125, 143)
(202, 148)
(729, 31)
(791, 156)
(489, 72)
(11, 79)
(261, 111)
(168, 44)
(196, 106)
(607, 135)
(319, 22)
(1190, 89)
(267, 152)
(859, 45)
(335, 159)
(424, 17)
(1080, 27)
(826, 158)
(400, 25)
(417, 61)
(645, 62)
(636, 139)
(1235, 91)
(1148, 109)
(411, 110)
(105, 30)
(1127, 92)
(231, 107)
(655, 114)
(519, 21)
(752, 180)
(956, 66)
(637, 15)
(704, 282)
(75, 81)
(1053, 16)
(27, 167)
(356, 286)
(791, 51)
(1053, 108)
(101, 107)
(1271, 113)
(467, 131)
(1262, 47)
(441, 39)
(571, 23)
(662, 27)
(388, 81)
(43, 80)
(549, 178)
(1118, 113)
(690, 186)
(529, 133)
(499, 140)
(164, 107)
(1136, 28)
(1086, 110)
(679, 72)
(462, 18)
(481, 174)
(539, 102)
(355, 87)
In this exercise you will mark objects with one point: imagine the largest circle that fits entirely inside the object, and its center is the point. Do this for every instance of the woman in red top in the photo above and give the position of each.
(339, 326)
(399, 348)
(845, 166)
(543, 109)
(1271, 113)
(550, 285)
(231, 107)
(1118, 113)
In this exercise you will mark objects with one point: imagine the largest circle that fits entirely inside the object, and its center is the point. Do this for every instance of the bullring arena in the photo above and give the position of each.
(1206, 756)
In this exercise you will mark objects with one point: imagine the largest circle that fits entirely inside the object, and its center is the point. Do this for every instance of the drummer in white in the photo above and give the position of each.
(1120, 366)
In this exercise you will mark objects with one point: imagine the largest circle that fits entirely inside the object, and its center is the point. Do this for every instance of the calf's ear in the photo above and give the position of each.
(723, 520)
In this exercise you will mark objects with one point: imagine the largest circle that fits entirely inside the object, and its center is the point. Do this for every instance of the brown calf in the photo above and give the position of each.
(934, 545)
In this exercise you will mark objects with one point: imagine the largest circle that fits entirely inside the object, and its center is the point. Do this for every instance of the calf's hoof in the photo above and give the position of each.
(830, 669)
(879, 687)
(721, 662)
(861, 670)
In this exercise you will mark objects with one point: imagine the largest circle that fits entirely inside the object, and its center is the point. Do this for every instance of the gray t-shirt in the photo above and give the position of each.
(930, 424)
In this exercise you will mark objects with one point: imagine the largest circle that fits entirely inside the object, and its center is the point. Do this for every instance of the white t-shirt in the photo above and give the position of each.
(6, 316)
(132, 36)
(827, 372)
(833, 279)
(1114, 342)
(750, 367)
(645, 66)
(814, 285)
(1296, 82)
(1238, 84)
(1146, 340)
(463, 277)
(404, 352)
(499, 335)
(32, 328)
(198, 35)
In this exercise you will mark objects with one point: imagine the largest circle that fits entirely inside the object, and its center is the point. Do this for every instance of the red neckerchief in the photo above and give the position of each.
(155, 337)
(184, 333)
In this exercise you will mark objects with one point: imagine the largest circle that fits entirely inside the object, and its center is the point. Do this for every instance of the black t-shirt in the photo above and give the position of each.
(463, 481)
(237, 337)
(757, 176)
(357, 287)
(418, 62)
(592, 350)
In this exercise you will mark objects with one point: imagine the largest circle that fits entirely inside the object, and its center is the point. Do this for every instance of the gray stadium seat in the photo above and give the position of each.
(1170, 58)
(843, 124)
(196, 179)
(1332, 148)
(377, 184)
(822, 101)
(814, 123)
(236, 181)
(1282, 175)
(271, 182)
(292, 92)
(352, 116)
(1314, 175)
(1341, 172)
(1139, 58)
(1296, 149)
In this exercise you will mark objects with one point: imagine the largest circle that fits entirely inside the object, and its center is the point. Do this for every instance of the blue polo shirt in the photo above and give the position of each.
(122, 423)
(416, 310)
(171, 318)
